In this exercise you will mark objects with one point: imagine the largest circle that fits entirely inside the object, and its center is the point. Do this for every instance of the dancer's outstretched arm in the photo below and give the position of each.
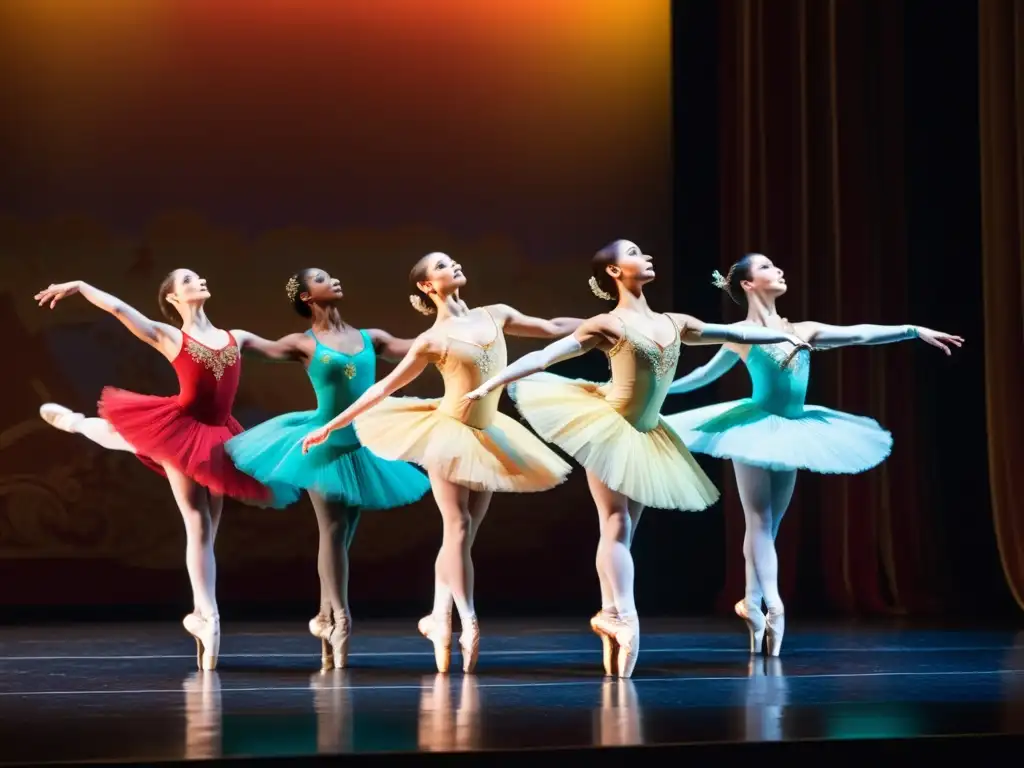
(711, 371)
(822, 335)
(388, 347)
(588, 335)
(694, 332)
(423, 351)
(515, 323)
(295, 347)
(161, 336)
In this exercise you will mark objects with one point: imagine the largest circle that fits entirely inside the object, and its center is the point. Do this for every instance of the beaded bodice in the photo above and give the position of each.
(464, 366)
(779, 387)
(642, 371)
(207, 379)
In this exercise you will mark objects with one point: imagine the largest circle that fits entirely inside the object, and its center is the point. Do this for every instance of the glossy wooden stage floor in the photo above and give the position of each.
(131, 692)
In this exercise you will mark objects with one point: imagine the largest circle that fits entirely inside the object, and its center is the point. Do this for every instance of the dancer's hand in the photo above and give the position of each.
(316, 437)
(939, 339)
(477, 394)
(57, 291)
(798, 344)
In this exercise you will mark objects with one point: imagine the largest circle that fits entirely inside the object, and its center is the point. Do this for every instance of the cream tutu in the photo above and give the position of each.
(502, 456)
(652, 467)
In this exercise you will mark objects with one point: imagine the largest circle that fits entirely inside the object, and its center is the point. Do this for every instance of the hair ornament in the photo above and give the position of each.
(420, 305)
(719, 281)
(292, 288)
(598, 291)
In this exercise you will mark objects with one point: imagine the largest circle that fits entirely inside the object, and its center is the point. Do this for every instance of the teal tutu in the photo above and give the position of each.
(818, 439)
(341, 469)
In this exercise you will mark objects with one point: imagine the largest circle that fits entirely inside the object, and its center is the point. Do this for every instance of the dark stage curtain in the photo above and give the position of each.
(811, 159)
(1001, 47)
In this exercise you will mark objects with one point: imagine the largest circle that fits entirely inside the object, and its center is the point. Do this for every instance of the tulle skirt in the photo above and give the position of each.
(340, 469)
(504, 456)
(163, 433)
(818, 440)
(653, 468)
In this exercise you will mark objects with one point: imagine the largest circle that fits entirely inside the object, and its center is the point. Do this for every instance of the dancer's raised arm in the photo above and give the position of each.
(419, 356)
(388, 347)
(162, 336)
(588, 335)
(517, 324)
(864, 334)
(295, 347)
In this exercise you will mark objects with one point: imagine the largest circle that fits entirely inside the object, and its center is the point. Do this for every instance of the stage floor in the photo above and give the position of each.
(132, 692)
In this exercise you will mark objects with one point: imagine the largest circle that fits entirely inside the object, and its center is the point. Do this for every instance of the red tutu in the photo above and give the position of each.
(162, 432)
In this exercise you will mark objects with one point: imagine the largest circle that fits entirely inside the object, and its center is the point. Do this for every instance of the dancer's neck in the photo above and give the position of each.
(449, 307)
(327, 320)
(633, 300)
(761, 310)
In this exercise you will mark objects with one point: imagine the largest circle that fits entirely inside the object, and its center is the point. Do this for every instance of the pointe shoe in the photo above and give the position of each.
(339, 640)
(206, 631)
(627, 635)
(775, 623)
(320, 628)
(751, 614)
(469, 644)
(438, 630)
(603, 625)
(59, 417)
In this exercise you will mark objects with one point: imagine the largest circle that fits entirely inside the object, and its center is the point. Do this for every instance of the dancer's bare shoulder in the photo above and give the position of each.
(602, 331)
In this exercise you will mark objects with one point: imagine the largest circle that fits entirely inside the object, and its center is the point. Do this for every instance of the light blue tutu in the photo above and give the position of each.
(341, 469)
(775, 430)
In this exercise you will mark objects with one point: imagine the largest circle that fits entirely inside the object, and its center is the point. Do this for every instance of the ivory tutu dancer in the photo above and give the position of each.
(632, 457)
(468, 449)
(773, 433)
(343, 477)
(180, 437)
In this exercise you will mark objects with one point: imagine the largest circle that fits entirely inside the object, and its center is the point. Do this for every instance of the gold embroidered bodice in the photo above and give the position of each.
(464, 366)
(642, 371)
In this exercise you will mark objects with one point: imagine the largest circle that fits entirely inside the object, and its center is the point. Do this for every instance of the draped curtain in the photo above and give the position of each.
(1001, 33)
(811, 158)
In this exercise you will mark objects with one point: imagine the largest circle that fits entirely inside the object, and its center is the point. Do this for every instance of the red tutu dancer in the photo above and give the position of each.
(181, 437)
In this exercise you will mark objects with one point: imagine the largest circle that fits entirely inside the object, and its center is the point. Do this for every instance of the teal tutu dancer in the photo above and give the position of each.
(344, 477)
(773, 433)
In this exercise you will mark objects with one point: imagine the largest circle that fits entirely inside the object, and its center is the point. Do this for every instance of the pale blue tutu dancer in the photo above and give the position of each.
(344, 477)
(773, 433)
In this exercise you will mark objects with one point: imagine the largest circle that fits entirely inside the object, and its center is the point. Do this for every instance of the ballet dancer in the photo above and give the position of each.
(468, 449)
(632, 458)
(180, 437)
(344, 477)
(772, 434)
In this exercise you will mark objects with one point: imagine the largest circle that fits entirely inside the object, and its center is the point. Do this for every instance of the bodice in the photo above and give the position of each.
(778, 387)
(464, 366)
(207, 379)
(642, 371)
(339, 379)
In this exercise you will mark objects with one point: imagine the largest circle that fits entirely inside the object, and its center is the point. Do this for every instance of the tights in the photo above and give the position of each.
(462, 512)
(200, 511)
(618, 517)
(337, 524)
(765, 496)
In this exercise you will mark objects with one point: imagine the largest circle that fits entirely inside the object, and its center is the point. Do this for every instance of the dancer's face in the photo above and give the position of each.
(321, 288)
(632, 265)
(766, 279)
(188, 288)
(443, 275)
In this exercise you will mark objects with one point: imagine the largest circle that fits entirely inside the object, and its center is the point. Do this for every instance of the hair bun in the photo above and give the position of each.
(598, 291)
(719, 281)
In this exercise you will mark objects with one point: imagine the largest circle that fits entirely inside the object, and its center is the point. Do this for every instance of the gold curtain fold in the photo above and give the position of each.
(1001, 72)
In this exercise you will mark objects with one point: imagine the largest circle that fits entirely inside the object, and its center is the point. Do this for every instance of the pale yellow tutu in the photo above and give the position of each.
(654, 468)
(504, 456)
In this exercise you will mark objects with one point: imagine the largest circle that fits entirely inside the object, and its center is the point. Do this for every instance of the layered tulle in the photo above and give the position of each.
(162, 432)
(819, 440)
(340, 469)
(653, 468)
(503, 456)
